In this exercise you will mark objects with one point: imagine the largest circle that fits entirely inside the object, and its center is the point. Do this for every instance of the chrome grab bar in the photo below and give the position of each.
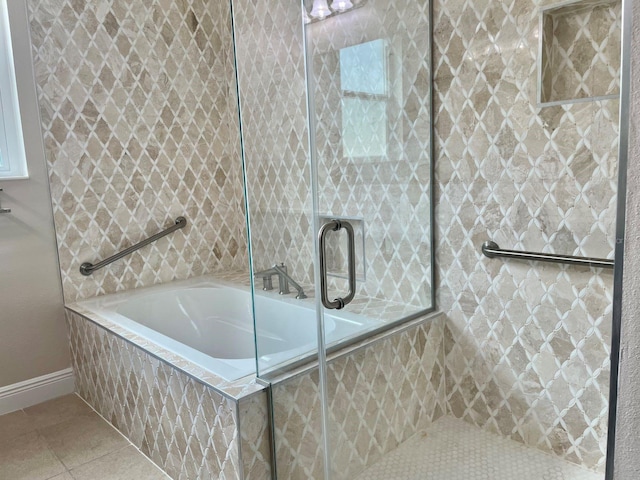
(4, 210)
(87, 268)
(492, 250)
(337, 225)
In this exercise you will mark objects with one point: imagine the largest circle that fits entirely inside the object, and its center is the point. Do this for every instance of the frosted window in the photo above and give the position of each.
(363, 80)
(363, 68)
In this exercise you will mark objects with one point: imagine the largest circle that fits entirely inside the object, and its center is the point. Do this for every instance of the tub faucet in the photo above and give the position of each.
(284, 279)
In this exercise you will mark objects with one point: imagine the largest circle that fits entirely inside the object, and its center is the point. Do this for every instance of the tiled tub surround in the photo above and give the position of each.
(527, 344)
(189, 428)
(153, 391)
(206, 325)
(381, 392)
(139, 116)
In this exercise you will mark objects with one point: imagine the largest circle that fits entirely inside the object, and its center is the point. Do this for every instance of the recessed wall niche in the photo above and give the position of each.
(579, 51)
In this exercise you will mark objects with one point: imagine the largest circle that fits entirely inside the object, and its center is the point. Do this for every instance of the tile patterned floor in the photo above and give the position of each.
(64, 439)
(452, 449)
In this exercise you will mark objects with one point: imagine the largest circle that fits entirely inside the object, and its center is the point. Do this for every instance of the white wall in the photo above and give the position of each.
(33, 335)
(627, 464)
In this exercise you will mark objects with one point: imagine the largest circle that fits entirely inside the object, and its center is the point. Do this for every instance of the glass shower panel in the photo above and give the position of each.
(369, 85)
(272, 95)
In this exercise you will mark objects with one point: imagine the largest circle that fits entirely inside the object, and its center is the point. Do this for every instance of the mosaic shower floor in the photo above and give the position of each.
(451, 449)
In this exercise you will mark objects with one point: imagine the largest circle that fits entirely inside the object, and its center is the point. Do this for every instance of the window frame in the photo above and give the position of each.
(12, 146)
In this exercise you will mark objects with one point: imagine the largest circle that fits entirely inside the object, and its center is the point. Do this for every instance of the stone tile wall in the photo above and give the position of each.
(379, 396)
(581, 62)
(140, 125)
(187, 428)
(391, 194)
(527, 344)
(270, 58)
(255, 437)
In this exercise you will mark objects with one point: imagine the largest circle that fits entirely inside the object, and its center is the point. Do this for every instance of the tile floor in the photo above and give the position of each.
(64, 439)
(452, 449)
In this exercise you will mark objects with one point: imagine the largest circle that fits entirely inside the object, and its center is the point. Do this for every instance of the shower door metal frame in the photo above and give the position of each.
(623, 160)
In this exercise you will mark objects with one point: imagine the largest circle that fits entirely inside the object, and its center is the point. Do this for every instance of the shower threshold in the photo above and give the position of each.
(452, 449)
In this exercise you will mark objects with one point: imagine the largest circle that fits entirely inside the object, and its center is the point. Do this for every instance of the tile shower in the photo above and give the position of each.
(140, 118)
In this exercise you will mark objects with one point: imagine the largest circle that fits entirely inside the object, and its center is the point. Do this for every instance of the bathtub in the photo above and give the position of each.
(210, 323)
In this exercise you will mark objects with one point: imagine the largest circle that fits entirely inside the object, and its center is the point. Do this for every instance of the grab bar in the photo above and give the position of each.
(87, 268)
(492, 250)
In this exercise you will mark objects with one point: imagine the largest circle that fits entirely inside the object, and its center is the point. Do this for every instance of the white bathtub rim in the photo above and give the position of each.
(104, 309)
(235, 389)
(238, 389)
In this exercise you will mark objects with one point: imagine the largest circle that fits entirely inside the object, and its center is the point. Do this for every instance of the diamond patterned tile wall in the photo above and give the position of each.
(140, 125)
(187, 429)
(270, 56)
(380, 396)
(255, 446)
(527, 344)
(388, 194)
(581, 62)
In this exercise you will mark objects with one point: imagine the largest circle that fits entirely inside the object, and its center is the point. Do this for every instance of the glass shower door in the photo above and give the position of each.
(336, 130)
(370, 116)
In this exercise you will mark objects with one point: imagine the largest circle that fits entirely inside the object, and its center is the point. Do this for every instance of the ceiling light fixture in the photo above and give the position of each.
(341, 5)
(320, 9)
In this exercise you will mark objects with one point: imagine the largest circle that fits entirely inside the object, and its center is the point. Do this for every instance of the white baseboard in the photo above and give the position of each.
(36, 390)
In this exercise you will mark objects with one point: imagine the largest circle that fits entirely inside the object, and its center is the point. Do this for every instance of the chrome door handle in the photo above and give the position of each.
(335, 226)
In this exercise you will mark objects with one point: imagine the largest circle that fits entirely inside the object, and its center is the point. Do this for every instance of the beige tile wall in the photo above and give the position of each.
(187, 428)
(527, 344)
(582, 62)
(392, 195)
(379, 396)
(270, 56)
(255, 437)
(140, 125)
